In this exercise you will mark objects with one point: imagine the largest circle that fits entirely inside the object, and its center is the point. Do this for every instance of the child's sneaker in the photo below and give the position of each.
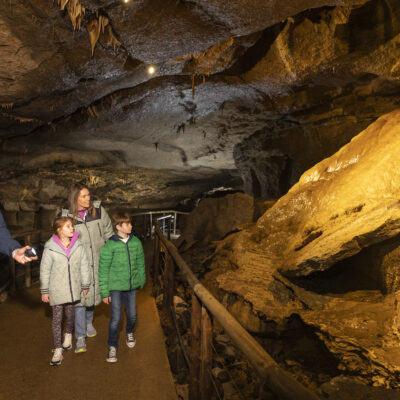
(90, 331)
(112, 354)
(67, 344)
(80, 345)
(57, 356)
(130, 340)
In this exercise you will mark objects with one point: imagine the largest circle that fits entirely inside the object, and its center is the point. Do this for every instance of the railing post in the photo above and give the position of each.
(156, 265)
(28, 268)
(194, 369)
(205, 355)
(169, 229)
(169, 275)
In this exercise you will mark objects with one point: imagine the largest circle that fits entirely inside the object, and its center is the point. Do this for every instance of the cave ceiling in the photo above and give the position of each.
(264, 89)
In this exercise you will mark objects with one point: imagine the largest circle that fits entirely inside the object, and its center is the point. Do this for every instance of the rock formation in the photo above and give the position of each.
(326, 252)
(265, 88)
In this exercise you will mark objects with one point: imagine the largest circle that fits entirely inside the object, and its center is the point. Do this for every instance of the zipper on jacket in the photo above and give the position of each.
(69, 273)
(91, 250)
(130, 266)
(69, 279)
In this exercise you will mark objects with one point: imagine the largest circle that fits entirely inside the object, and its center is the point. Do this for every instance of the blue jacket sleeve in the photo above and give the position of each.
(7, 243)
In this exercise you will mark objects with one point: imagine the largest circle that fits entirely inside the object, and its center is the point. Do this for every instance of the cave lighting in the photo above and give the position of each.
(151, 70)
(125, 1)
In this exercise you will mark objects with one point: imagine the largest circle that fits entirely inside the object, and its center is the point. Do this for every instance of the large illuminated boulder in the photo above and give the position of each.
(310, 254)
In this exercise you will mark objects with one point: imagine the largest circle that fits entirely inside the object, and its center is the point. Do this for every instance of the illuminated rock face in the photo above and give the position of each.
(301, 257)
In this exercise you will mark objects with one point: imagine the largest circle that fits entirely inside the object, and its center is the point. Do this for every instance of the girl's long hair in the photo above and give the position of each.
(58, 223)
(73, 200)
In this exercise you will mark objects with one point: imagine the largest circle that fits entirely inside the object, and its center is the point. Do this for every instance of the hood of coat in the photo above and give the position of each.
(52, 245)
(117, 238)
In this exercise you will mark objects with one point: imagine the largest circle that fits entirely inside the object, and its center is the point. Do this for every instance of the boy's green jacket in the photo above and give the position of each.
(121, 265)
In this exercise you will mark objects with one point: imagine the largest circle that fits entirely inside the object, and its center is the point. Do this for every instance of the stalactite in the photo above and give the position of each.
(21, 120)
(111, 39)
(7, 106)
(101, 26)
(75, 11)
(92, 111)
(95, 27)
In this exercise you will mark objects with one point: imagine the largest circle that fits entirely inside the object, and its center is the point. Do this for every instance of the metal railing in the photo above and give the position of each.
(204, 307)
(168, 220)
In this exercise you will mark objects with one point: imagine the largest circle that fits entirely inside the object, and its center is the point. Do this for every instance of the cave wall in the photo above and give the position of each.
(263, 88)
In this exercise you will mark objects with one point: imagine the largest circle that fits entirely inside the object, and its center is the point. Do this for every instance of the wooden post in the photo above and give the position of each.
(169, 275)
(156, 265)
(279, 382)
(205, 355)
(28, 268)
(194, 369)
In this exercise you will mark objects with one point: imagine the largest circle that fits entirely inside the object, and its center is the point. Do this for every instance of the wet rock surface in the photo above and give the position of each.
(325, 254)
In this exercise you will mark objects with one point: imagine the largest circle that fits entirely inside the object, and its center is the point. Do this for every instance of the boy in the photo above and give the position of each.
(121, 272)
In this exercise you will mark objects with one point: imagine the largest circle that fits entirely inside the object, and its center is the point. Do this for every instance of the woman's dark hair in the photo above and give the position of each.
(73, 199)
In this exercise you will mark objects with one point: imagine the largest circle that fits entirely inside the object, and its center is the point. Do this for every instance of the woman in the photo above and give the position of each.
(94, 226)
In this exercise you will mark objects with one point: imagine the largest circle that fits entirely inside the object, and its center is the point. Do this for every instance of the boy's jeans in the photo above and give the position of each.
(117, 298)
(83, 317)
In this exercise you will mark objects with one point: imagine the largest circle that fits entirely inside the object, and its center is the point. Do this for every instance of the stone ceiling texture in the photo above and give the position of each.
(266, 88)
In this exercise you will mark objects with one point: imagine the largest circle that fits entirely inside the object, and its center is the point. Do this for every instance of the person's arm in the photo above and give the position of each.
(108, 230)
(10, 247)
(7, 243)
(104, 269)
(45, 270)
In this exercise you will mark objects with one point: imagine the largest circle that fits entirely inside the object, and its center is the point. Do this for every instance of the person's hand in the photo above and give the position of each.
(45, 298)
(19, 255)
(107, 300)
(85, 292)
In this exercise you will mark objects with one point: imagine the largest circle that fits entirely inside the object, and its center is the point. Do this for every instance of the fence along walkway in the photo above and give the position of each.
(204, 305)
(141, 373)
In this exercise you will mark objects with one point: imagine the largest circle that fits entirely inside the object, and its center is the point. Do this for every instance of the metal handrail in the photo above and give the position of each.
(277, 380)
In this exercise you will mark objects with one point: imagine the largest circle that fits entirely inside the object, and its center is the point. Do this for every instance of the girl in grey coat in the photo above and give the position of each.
(64, 275)
(94, 226)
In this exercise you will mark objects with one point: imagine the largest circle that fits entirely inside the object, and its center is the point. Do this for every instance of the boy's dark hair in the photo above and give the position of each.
(118, 218)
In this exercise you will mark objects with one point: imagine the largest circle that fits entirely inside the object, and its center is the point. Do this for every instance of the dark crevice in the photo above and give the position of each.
(256, 52)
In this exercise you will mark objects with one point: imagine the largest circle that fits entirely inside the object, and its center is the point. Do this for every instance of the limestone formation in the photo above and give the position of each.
(324, 252)
(216, 217)
(269, 80)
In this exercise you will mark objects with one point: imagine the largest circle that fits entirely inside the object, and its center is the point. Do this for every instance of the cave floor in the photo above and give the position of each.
(26, 342)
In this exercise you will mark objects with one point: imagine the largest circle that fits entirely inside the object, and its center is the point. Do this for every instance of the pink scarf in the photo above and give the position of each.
(67, 250)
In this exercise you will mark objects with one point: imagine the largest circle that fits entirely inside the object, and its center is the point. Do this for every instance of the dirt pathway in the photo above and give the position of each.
(141, 373)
